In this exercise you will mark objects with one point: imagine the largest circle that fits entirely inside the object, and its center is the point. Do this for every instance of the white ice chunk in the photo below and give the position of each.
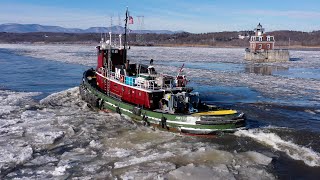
(43, 160)
(138, 160)
(253, 157)
(297, 152)
(11, 155)
(153, 170)
(118, 152)
(60, 170)
(48, 137)
(95, 144)
(191, 172)
(252, 173)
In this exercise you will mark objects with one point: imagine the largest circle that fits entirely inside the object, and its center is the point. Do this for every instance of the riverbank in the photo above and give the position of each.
(215, 39)
(296, 48)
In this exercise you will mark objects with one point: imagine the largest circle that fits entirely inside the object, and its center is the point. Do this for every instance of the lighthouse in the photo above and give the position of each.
(262, 48)
(261, 41)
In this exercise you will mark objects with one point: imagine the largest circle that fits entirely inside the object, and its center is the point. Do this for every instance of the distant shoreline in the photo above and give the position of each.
(296, 48)
(284, 39)
(316, 48)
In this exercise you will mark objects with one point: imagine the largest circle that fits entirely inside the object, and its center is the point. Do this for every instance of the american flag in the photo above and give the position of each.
(130, 20)
(181, 69)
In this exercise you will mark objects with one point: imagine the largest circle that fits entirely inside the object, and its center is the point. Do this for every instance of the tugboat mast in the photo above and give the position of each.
(125, 28)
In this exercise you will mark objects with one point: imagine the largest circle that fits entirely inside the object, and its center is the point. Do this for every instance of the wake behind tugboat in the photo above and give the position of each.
(161, 100)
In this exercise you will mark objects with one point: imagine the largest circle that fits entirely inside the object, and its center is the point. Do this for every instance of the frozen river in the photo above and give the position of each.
(47, 132)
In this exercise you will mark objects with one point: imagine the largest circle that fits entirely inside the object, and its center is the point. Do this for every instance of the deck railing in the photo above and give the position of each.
(132, 81)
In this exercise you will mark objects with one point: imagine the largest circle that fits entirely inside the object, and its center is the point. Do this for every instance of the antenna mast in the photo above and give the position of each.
(125, 29)
(119, 20)
(110, 30)
(140, 28)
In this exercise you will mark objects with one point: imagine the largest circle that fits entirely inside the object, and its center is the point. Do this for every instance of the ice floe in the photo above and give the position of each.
(295, 151)
(152, 170)
(145, 158)
(12, 155)
(191, 172)
(62, 137)
(298, 89)
(60, 170)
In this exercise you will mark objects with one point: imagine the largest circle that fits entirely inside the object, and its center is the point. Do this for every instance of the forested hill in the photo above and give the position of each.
(216, 39)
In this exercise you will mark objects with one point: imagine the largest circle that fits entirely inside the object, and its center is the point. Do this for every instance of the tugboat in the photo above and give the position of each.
(149, 97)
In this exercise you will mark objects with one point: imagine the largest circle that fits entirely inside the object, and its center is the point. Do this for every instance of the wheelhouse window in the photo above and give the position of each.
(115, 51)
(152, 70)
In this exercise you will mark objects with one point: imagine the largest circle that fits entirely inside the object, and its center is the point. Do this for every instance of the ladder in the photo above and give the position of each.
(108, 72)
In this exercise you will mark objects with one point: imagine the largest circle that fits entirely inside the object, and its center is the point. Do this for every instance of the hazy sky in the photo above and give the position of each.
(195, 16)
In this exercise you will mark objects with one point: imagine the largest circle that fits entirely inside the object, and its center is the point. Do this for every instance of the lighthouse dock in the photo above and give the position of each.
(275, 55)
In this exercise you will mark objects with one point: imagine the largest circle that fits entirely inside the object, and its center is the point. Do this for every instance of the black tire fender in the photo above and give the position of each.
(145, 120)
(98, 102)
(101, 103)
(118, 110)
(163, 122)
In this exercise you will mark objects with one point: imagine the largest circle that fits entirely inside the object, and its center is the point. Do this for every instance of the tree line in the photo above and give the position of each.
(214, 39)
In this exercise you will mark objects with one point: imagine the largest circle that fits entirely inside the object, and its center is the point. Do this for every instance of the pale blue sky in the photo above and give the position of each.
(197, 16)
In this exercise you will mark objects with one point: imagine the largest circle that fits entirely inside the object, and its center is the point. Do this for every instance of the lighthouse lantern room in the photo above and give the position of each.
(260, 41)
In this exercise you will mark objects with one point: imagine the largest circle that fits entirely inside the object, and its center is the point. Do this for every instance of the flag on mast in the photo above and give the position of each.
(181, 69)
(130, 20)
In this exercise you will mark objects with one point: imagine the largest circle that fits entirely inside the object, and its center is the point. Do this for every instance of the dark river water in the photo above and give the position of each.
(28, 74)
(47, 131)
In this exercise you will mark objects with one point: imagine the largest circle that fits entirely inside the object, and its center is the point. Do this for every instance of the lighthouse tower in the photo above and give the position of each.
(260, 41)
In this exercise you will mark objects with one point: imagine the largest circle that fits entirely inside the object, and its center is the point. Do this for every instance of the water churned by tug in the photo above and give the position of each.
(149, 97)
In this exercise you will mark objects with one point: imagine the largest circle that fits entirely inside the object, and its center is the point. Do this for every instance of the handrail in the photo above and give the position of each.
(144, 84)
